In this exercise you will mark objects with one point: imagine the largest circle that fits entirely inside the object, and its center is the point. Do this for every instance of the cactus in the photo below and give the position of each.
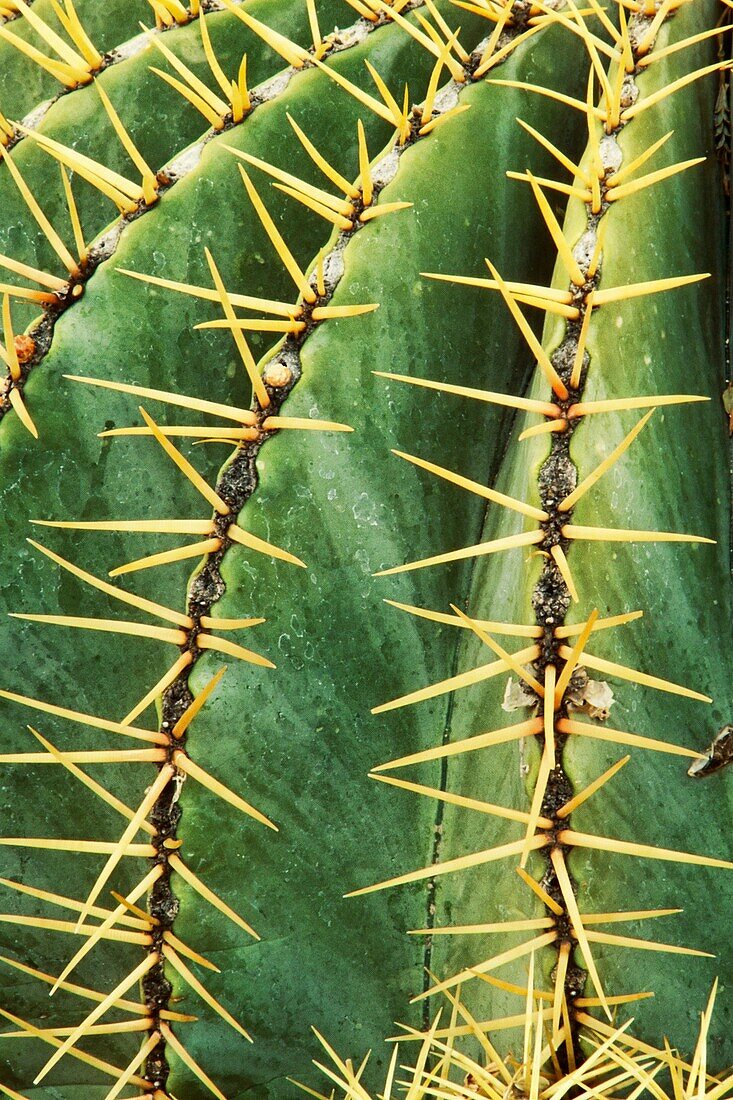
(486, 237)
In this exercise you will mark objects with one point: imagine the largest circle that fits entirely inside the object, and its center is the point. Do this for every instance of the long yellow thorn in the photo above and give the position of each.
(109, 626)
(559, 993)
(208, 294)
(354, 90)
(183, 949)
(98, 933)
(584, 408)
(294, 55)
(303, 423)
(573, 629)
(226, 302)
(547, 763)
(633, 675)
(9, 352)
(213, 117)
(149, 180)
(545, 408)
(49, 36)
(474, 859)
(28, 295)
(320, 162)
(475, 487)
(459, 800)
(514, 630)
(631, 848)
(117, 593)
(455, 683)
(164, 776)
(669, 89)
(64, 902)
(289, 262)
(157, 689)
(85, 166)
(120, 935)
(577, 370)
(621, 737)
(325, 212)
(563, 878)
(209, 494)
(166, 557)
(94, 756)
(591, 789)
(253, 542)
(615, 534)
(223, 645)
(543, 360)
(82, 1056)
(572, 498)
(555, 230)
(48, 230)
(70, 76)
(644, 945)
(53, 282)
(75, 221)
(178, 964)
(212, 408)
(139, 972)
(509, 542)
(91, 784)
(21, 412)
(625, 189)
(542, 894)
(485, 967)
(469, 744)
(218, 107)
(510, 660)
(91, 720)
(574, 169)
(201, 888)
(563, 567)
(206, 780)
(200, 700)
(571, 662)
(147, 1048)
(638, 290)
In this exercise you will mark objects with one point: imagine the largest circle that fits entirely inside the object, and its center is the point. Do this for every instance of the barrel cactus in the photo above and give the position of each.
(366, 496)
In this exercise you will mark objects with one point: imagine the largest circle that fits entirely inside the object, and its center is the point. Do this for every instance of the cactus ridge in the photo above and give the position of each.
(550, 683)
(136, 200)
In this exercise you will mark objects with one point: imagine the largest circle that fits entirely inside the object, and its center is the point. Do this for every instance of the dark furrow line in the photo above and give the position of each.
(41, 332)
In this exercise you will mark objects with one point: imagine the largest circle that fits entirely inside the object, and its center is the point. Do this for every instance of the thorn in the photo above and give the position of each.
(459, 800)
(325, 212)
(108, 923)
(253, 542)
(21, 412)
(185, 764)
(157, 689)
(545, 408)
(87, 719)
(243, 348)
(81, 247)
(662, 93)
(195, 882)
(563, 878)
(547, 762)
(585, 408)
(555, 230)
(571, 500)
(63, 902)
(147, 1048)
(147, 964)
(616, 918)
(91, 784)
(574, 655)
(426, 113)
(613, 534)
(572, 805)
(455, 683)
(572, 630)
(475, 487)
(543, 360)
(213, 117)
(582, 195)
(241, 301)
(186, 468)
(631, 848)
(550, 93)
(644, 945)
(320, 162)
(534, 944)
(540, 892)
(621, 737)
(323, 313)
(569, 165)
(166, 557)
(474, 859)
(178, 964)
(469, 744)
(295, 55)
(514, 630)
(583, 334)
(384, 208)
(563, 567)
(631, 674)
(428, 127)
(303, 423)
(658, 54)
(638, 290)
(120, 594)
(28, 295)
(510, 542)
(123, 193)
(510, 660)
(82, 1056)
(620, 192)
(183, 949)
(149, 180)
(199, 701)
(223, 645)
(211, 408)
(33, 273)
(120, 848)
(98, 756)
(111, 626)
(559, 993)
(354, 90)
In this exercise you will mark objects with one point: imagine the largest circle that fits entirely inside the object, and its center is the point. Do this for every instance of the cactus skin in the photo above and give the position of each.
(298, 742)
